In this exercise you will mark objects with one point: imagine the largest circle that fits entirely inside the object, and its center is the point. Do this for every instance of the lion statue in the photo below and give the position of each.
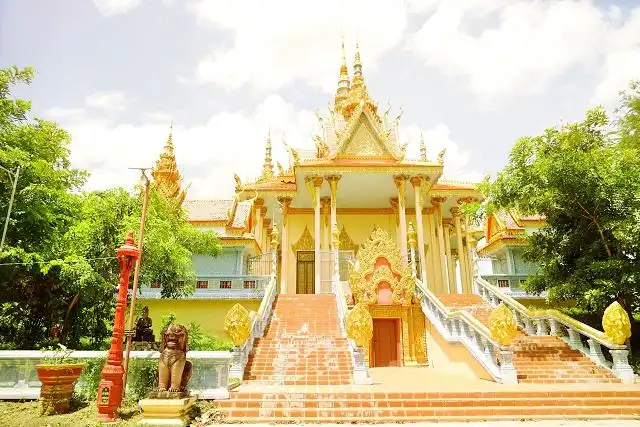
(174, 370)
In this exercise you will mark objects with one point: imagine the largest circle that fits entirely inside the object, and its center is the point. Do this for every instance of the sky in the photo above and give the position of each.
(470, 76)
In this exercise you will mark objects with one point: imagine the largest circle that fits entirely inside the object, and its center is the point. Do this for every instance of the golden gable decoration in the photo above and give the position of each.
(379, 261)
(346, 244)
(305, 242)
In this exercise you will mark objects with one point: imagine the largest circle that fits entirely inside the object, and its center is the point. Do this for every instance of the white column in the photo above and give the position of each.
(437, 203)
(333, 187)
(325, 210)
(257, 233)
(317, 182)
(285, 203)
(451, 266)
(417, 183)
(464, 273)
(396, 218)
(400, 181)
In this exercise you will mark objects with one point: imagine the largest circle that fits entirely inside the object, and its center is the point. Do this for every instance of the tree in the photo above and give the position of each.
(58, 272)
(586, 181)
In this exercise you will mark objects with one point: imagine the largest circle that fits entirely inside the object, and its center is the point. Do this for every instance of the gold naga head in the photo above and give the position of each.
(360, 324)
(616, 324)
(502, 324)
(237, 324)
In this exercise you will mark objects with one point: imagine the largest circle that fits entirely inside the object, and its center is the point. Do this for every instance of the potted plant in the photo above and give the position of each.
(57, 373)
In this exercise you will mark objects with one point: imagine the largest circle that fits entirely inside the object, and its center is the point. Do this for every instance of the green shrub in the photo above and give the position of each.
(200, 340)
(142, 378)
(87, 386)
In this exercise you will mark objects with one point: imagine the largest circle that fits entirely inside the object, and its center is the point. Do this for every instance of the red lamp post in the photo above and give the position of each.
(110, 387)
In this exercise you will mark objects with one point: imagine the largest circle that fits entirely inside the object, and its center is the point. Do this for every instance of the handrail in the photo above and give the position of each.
(259, 320)
(549, 322)
(461, 327)
(360, 371)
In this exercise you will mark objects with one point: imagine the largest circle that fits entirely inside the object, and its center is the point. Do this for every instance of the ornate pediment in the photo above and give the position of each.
(305, 242)
(379, 265)
(346, 244)
(364, 137)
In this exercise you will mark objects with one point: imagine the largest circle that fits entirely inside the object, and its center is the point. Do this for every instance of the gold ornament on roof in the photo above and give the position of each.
(379, 262)
(322, 149)
(166, 177)
(237, 324)
(238, 183)
(441, 156)
(280, 169)
(616, 324)
(502, 324)
(267, 167)
(346, 244)
(359, 324)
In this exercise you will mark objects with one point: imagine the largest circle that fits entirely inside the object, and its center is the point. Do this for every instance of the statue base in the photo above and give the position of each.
(166, 412)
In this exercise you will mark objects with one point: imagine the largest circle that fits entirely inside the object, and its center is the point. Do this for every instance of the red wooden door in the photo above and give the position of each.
(385, 342)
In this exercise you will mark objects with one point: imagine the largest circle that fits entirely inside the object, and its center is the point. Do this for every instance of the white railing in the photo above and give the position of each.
(576, 334)
(459, 326)
(19, 380)
(259, 321)
(359, 363)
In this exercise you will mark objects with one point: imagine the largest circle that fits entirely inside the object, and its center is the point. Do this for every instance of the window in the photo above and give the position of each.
(202, 284)
(225, 284)
(249, 284)
(155, 285)
(503, 283)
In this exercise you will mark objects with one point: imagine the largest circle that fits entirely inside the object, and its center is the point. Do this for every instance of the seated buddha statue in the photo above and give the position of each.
(144, 330)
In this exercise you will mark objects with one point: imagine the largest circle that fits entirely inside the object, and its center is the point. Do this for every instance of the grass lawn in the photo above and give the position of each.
(26, 414)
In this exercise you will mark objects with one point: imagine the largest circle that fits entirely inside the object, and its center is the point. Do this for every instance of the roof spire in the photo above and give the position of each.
(358, 80)
(267, 167)
(165, 173)
(423, 149)
(342, 93)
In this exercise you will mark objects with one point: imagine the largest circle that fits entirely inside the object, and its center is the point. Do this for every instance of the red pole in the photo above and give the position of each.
(110, 387)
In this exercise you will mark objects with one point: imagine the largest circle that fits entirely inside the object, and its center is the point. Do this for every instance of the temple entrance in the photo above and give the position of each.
(385, 343)
(305, 272)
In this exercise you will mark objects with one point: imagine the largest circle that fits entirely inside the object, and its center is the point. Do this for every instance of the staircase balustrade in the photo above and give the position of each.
(576, 334)
(360, 369)
(461, 327)
(259, 321)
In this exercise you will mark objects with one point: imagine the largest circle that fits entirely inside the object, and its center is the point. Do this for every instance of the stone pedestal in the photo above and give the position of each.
(166, 412)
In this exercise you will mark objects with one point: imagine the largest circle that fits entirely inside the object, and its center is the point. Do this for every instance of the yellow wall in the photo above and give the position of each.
(358, 227)
(208, 313)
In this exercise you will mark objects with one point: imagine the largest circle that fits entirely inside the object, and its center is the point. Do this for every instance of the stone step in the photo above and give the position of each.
(407, 407)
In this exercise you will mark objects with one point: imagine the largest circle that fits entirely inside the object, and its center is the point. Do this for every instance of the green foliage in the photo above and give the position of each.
(59, 273)
(198, 339)
(58, 356)
(142, 378)
(584, 178)
(86, 387)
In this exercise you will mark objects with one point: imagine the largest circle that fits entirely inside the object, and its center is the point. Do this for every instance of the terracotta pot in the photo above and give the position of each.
(57, 386)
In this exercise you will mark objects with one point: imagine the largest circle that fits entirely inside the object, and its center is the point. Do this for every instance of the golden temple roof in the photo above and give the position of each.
(166, 176)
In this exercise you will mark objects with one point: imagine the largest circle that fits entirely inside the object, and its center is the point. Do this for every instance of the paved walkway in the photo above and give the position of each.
(559, 423)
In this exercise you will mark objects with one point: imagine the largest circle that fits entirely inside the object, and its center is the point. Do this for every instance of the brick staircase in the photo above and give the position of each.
(385, 407)
(302, 345)
(538, 359)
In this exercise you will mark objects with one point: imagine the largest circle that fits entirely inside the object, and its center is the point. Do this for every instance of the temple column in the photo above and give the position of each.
(400, 181)
(464, 273)
(396, 218)
(285, 204)
(437, 203)
(434, 251)
(266, 224)
(416, 182)
(325, 204)
(257, 230)
(451, 265)
(313, 184)
(468, 254)
(333, 187)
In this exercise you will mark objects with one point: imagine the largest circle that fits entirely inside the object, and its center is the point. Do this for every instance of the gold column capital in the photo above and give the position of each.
(466, 200)
(325, 203)
(317, 181)
(258, 203)
(333, 179)
(266, 222)
(418, 180)
(437, 201)
(394, 203)
(263, 211)
(400, 180)
(455, 212)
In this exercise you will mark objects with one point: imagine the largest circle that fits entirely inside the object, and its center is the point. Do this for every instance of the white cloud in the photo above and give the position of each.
(229, 142)
(159, 116)
(622, 61)
(108, 100)
(275, 42)
(457, 162)
(65, 113)
(115, 7)
(529, 44)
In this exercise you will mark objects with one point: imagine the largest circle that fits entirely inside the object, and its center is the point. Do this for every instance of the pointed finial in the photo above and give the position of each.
(423, 149)
(267, 167)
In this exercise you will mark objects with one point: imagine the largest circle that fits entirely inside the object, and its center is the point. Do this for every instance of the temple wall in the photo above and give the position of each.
(209, 314)
(225, 263)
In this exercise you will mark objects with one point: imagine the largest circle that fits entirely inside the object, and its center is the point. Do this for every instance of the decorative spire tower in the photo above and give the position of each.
(423, 149)
(358, 79)
(342, 94)
(267, 167)
(166, 176)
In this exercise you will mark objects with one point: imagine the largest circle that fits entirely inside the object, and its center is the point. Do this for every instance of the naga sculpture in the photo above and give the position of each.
(174, 370)
(502, 324)
(616, 324)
